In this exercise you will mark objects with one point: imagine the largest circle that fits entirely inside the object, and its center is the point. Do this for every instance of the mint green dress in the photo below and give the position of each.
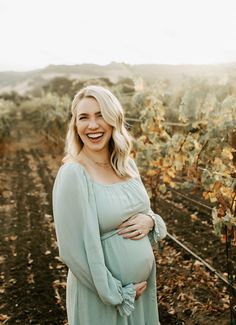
(102, 265)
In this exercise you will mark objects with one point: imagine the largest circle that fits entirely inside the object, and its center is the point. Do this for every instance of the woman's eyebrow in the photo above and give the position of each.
(82, 114)
(86, 114)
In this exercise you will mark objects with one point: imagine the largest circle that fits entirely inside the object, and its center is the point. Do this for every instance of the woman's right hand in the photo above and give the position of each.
(140, 287)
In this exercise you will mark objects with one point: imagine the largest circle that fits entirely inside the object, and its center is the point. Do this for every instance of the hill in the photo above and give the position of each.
(22, 82)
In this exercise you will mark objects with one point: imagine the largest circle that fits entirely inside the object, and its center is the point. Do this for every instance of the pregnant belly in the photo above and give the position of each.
(128, 260)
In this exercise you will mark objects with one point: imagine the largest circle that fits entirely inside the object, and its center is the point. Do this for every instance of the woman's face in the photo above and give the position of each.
(92, 129)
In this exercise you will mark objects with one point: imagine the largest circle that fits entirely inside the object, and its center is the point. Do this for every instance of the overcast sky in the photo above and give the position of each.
(35, 33)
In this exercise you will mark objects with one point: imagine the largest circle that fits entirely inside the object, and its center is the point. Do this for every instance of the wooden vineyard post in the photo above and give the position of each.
(233, 144)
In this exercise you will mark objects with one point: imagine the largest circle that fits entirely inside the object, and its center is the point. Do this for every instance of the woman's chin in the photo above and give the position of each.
(96, 145)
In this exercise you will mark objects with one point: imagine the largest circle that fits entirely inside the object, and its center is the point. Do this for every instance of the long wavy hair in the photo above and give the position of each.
(120, 143)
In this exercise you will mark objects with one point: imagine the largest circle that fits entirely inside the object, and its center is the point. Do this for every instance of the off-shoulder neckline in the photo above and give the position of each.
(98, 183)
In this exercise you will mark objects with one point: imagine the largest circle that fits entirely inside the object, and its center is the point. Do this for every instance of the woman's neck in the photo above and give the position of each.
(102, 157)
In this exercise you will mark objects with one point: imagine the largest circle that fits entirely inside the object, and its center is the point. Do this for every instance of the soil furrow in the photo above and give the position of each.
(195, 234)
(32, 278)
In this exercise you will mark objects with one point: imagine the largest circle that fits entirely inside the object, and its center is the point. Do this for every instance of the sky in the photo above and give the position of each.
(36, 33)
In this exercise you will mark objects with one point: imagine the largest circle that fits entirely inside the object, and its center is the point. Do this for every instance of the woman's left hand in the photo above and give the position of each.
(136, 227)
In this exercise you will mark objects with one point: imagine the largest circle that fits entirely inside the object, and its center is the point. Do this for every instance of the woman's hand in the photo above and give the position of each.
(140, 288)
(132, 227)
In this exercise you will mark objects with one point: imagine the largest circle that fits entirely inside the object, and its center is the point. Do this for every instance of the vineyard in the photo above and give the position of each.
(184, 142)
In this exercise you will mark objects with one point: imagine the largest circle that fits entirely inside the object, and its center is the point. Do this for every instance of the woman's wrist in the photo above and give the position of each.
(152, 221)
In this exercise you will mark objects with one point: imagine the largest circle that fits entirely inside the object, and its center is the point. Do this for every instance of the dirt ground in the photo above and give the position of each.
(32, 278)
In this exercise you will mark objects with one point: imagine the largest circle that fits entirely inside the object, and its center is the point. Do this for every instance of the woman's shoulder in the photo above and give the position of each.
(133, 165)
(71, 179)
(71, 169)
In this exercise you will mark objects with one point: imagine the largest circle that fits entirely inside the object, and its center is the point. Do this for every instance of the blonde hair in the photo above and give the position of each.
(120, 143)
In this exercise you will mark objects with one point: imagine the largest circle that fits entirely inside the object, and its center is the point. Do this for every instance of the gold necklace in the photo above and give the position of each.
(101, 164)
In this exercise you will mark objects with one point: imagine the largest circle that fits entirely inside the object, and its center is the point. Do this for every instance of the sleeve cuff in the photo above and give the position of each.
(159, 230)
(128, 293)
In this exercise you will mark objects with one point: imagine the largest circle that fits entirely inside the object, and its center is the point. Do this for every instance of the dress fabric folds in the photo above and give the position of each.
(103, 266)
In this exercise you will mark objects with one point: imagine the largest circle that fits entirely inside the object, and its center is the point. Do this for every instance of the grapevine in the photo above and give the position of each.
(200, 152)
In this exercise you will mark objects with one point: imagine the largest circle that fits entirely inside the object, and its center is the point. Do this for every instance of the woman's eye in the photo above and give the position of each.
(85, 117)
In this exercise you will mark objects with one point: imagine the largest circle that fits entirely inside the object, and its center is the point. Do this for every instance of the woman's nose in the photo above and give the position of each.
(93, 124)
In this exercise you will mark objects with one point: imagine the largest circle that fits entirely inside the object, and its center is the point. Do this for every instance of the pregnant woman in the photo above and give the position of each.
(104, 223)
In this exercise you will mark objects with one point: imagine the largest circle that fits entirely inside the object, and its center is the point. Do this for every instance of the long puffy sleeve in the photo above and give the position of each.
(159, 230)
(78, 237)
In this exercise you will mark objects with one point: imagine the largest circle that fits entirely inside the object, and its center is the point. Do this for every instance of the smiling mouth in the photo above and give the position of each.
(97, 135)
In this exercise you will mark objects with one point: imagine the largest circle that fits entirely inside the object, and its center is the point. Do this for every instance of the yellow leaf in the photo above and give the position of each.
(194, 217)
(227, 154)
(166, 178)
(151, 173)
(205, 195)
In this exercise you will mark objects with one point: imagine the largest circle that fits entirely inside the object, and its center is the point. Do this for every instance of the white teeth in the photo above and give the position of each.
(94, 135)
